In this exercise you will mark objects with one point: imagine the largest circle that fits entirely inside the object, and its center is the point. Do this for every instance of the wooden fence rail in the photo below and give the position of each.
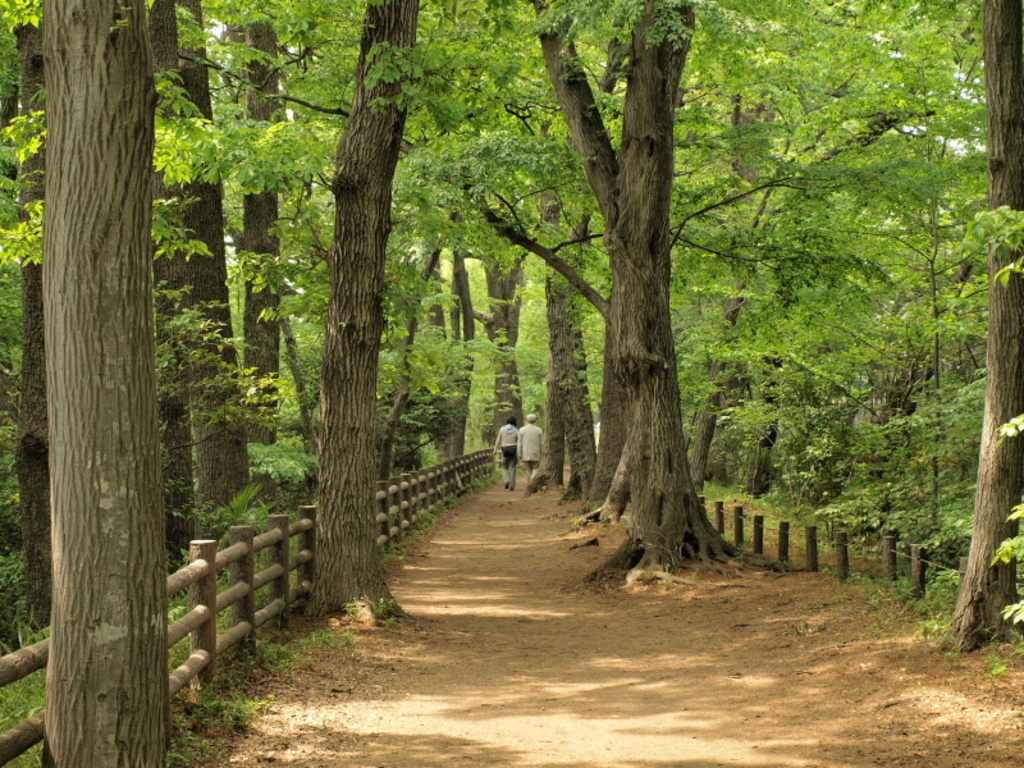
(918, 564)
(401, 502)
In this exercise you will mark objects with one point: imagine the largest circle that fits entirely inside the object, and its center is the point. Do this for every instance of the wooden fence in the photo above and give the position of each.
(914, 554)
(401, 501)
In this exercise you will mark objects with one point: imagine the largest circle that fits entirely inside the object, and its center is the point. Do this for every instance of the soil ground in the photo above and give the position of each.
(508, 660)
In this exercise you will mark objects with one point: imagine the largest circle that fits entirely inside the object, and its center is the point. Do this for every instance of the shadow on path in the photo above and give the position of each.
(508, 662)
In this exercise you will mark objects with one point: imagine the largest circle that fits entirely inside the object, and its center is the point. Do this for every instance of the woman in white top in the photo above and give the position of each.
(507, 443)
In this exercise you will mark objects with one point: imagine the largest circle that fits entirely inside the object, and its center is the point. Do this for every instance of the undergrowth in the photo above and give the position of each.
(228, 704)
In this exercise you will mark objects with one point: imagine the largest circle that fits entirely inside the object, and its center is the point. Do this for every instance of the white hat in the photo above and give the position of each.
(531, 418)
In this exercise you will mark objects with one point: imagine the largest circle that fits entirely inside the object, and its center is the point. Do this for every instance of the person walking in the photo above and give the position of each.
(530, 438)
(507, 443)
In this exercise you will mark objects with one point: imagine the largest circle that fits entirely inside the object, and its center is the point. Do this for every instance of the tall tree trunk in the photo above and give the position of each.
(707, 420)
(221, 451)
(613, 411)
(986, 588)
(614, 425)
(759, 479)
(503, 330)
(464, 332)
(569, 422)
(33, 451)
(463, 325)
(106, 682)
(401, 402)
(262, 296)
(260, 214)
(614, 506)
(348, 565)
(579, 423)
(291, 351)
(551, 470)
(566, 385)
(173, 397)
(633, 188)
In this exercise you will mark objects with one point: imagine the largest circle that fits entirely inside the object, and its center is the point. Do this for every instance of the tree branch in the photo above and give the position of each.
(516, 236)
(310, 105)
(677, 231)
(590, 137)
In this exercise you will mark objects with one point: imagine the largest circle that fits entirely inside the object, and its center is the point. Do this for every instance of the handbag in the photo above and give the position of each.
(508, 451)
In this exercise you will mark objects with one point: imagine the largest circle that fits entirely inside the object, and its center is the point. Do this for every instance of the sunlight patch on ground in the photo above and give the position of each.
(456, 607)
(677, 739)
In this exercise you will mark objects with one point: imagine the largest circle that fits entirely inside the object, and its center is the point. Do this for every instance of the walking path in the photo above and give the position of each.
(509, 662)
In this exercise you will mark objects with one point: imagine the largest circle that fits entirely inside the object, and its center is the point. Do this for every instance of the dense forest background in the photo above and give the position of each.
(828, 290)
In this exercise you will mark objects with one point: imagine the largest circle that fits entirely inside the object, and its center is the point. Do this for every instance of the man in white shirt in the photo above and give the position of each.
(530, 438)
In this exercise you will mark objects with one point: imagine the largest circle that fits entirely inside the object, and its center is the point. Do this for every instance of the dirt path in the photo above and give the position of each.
(509, 664)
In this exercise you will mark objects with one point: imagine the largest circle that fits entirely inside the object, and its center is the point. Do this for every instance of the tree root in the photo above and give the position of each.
(642, 576)
(540, 481)
(635, 553)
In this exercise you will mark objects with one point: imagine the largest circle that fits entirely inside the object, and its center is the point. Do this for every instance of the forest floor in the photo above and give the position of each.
(508, 660)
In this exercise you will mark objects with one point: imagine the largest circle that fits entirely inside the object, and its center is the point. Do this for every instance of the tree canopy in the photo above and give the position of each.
(745, 226)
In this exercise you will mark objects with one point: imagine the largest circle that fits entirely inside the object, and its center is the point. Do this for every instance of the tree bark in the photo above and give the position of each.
(463, 332)
(503, 330)
(551, 471)
(986, 588)
(260, 214)
(707, 420)
(614, 506)
(614, 425)
(348, 565)
(579, 424)
(173, 397)
(107, 676)
(291, 350)
(759, 480)
(633, 188)
(401, 402)
(222, 463)
(567, 374)
(569, 422)
(613, 414)
(261, 324)
(32, 455)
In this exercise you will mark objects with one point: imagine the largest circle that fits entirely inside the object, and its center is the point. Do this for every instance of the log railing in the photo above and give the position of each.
(840, 545)
(401, 501)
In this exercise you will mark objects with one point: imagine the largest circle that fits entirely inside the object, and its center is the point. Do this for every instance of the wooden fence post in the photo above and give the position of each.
(811, 548)
(278, 555)
(758, 542)
(431, 492)
(720, 516)
(422, 495)
(241, 572)
(405, 500)
(918, 571)
(784, 541)
(414, 496)
(889, 556)
(444, 486)
(307, 541)
(842, 557)
(394, 510)
(382, 513)
(737, 526)
(204, 593)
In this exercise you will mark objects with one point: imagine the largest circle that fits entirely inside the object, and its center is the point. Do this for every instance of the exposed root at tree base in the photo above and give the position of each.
(636, 554)
(642, 576)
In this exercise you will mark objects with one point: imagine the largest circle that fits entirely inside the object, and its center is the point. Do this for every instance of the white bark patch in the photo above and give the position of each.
(106, 634)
